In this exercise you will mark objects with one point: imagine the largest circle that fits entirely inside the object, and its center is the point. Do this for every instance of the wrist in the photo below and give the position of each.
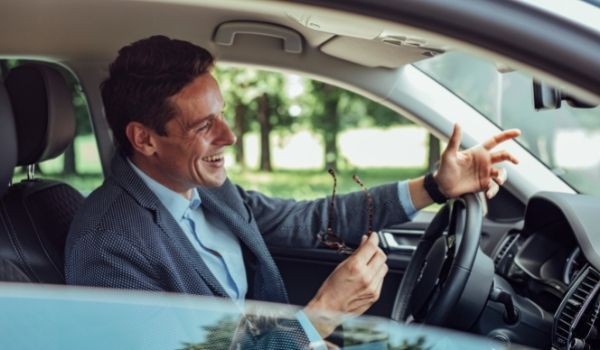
(432, 187)
(324, 320)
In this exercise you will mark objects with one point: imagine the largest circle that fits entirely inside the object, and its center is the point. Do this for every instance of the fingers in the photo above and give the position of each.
(454, 142)
(367, 249)
(378, 259)
(492, 190)
(499, 175)
(503, 155)
(371, 293)
(501, 137)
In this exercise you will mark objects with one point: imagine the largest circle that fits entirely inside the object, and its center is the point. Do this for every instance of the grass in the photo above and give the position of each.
(299, 184)
(309, 184)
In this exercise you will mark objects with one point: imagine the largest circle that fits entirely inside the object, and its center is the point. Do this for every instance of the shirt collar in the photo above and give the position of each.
(175, 203)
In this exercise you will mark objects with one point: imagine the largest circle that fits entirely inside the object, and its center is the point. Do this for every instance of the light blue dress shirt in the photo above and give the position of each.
(405, 200)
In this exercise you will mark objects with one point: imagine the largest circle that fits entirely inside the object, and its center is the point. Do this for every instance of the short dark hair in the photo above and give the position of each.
(143, 77)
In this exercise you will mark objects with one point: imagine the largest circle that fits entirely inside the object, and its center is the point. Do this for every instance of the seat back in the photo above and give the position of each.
(38, 212)
(8, 159)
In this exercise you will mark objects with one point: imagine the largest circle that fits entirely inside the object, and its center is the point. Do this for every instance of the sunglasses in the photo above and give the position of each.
(329, 238)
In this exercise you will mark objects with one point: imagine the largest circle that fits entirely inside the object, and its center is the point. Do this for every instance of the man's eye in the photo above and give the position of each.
(205, 125)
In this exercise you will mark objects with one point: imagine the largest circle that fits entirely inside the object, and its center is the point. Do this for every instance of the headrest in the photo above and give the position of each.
(43, 109)
(8, 140)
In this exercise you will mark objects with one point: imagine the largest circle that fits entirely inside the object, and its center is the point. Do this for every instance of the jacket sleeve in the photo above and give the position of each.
(270, 333)
(116, 262)
(286, 222)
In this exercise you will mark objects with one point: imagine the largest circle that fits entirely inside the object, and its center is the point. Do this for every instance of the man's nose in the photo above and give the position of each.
(223, 133)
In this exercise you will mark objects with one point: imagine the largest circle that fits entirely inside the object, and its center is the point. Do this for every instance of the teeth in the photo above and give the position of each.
(213, 158)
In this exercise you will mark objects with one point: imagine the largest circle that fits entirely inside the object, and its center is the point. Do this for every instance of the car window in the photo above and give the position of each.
(79, 165)
(291, 129)
(565, 140)
(61, 317)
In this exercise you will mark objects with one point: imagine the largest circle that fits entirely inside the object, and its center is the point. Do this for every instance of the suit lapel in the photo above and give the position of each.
(168, 224)
(125, 176)
(226, 203)
(220, 202)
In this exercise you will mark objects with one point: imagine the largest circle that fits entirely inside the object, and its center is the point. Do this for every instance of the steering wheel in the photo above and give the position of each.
(441, 265)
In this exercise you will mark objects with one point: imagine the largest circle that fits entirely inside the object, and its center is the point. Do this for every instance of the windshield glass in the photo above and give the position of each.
(566, 140)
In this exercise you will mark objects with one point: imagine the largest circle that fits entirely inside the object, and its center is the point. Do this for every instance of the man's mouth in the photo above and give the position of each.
(213, 159)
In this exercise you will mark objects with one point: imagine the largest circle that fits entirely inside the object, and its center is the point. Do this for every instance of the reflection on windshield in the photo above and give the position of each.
(58, 317)
(566, 140)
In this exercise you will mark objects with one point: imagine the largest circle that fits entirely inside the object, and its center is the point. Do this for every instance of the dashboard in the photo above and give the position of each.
(554, 261)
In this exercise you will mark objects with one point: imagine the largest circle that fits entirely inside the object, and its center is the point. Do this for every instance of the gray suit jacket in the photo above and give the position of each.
(123, 237)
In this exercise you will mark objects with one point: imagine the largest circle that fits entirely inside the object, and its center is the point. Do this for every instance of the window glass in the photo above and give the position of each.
(37, 317)
(79, 165)
(566, 140)
(291, 130)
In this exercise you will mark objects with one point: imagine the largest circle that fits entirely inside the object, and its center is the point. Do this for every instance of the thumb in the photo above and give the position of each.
(454, 142)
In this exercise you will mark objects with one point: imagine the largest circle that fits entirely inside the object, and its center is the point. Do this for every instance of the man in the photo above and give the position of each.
(167, 218)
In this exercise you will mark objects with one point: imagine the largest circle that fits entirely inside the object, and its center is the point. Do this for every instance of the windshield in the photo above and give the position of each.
(566, 140)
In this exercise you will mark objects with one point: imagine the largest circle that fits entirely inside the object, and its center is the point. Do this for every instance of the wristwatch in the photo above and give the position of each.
(433, 189)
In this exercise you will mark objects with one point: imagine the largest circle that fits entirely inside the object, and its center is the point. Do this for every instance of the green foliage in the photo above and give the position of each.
(246, 86)
(322, 100)
(325, 108)
(310, 184)
(330, 110)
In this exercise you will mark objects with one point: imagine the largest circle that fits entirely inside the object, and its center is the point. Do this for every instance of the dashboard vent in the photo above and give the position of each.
(505, 247)
(571, 311)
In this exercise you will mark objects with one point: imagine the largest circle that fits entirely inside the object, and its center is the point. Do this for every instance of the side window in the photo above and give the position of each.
(291, 130)
(79, 165)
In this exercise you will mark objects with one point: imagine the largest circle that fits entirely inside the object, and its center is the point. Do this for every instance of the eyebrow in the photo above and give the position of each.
(196, 123)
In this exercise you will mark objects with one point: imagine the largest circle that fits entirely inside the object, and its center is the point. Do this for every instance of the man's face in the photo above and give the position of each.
(191, 152)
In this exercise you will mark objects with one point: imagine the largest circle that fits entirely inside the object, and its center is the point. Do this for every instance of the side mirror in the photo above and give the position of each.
(547, 97)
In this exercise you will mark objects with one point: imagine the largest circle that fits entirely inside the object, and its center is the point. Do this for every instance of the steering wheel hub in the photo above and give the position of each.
(428, 279)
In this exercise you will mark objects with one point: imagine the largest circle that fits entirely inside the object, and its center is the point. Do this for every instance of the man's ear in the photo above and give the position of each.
(141, 138)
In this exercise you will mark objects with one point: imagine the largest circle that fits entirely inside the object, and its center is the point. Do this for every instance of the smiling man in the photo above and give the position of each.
(168, 219)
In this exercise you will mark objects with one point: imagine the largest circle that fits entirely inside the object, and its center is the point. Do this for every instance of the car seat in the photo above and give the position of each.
(8, 159)
(36, 213)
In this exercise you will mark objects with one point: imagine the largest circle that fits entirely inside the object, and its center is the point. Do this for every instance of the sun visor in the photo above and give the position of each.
(375, 53)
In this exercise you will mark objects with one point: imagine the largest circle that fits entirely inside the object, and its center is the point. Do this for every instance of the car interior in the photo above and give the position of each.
(524, 266)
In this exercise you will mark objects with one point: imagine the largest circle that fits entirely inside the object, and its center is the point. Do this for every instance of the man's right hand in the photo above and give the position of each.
(352, 287)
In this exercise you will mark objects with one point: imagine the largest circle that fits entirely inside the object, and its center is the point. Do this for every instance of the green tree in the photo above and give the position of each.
(234, 84)
(257, 100)
(331, 110)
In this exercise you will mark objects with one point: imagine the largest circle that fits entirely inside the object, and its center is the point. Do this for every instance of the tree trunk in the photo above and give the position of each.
(265, 131)
(69, 160)
(330, 133)
(434, 152)
(331, 151)
(240, 130)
